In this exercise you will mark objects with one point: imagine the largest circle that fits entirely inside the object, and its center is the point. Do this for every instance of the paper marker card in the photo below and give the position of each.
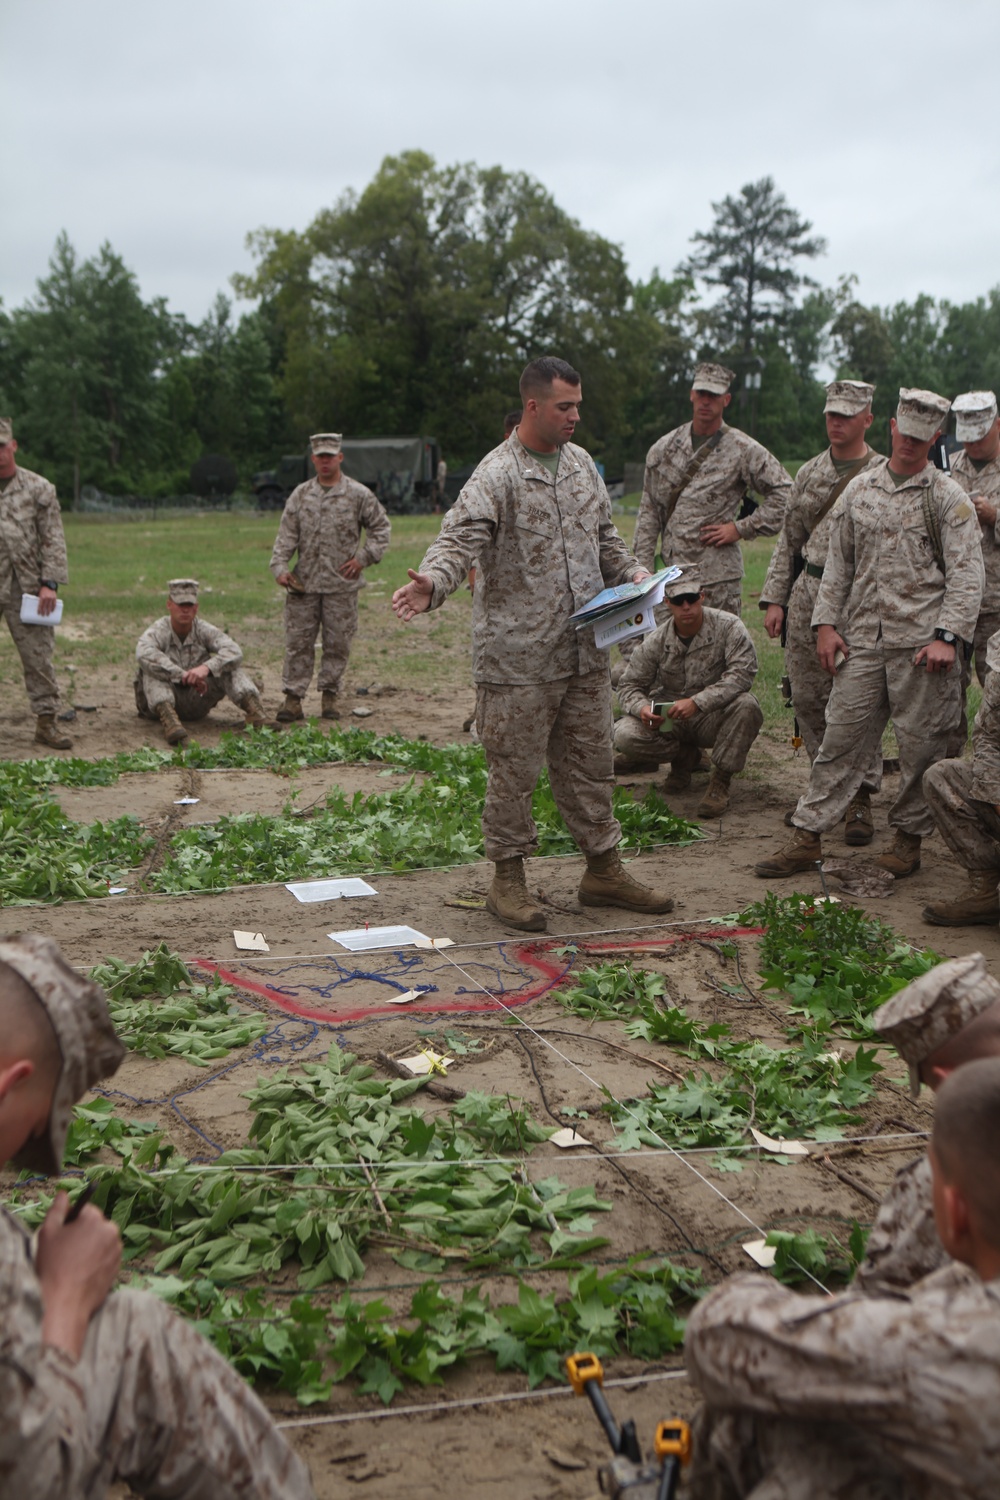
(434, 943)
(186, 801)
(329, 890)
(404, 998)
(566, 1139)
(250, 942)
(364, 939)
(761, 1252)
(783, 1148)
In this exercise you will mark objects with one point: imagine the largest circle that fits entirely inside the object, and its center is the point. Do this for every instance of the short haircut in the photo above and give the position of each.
(537, 377)
(979, 1038)
(512, 420)
(966, 1141)
(25, 1028)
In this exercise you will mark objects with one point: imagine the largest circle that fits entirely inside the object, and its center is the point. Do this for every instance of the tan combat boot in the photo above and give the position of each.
(607, 883)
(716, 798)
(291, 709)
(688, 760)
(48, 733)
(802, 852)
(328, 709)
(254, 710)
(859, 827)
(904, 856)
(508, 899)
(624, 765)
(172, 726)
(979, 907)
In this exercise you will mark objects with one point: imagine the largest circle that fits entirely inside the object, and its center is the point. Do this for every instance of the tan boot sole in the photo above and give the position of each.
(980, 919)
(654, 908)
(537, 923)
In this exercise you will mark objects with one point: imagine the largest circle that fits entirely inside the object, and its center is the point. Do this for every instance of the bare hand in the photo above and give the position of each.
(774, 620)
(46, 600)
(641, 575)
(414, 597)
(938, 656)
(985, 510)
(722, 534)
(472, 580)
(647, 716)
(197, 678)
(828, 643)
(684, 708)
(351, 569)
(284, 579)
(76, 1266)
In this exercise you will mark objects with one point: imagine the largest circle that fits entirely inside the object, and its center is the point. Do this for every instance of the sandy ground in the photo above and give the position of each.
(547, 1446)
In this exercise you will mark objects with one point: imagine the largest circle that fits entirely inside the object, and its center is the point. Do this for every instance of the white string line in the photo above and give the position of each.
(438, 1406)
(624, 1107)
(391, 1164)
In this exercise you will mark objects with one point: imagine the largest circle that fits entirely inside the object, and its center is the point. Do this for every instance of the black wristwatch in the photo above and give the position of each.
(948, 636)
(47, 584)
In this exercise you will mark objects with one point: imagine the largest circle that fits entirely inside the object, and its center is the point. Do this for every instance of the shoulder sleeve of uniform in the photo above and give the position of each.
(953, 503)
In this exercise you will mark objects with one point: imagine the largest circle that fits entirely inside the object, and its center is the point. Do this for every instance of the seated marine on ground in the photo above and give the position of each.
(687, 687)
(186, 666)
(100, 1387)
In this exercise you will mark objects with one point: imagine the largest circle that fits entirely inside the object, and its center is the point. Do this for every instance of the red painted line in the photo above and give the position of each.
(530, 955)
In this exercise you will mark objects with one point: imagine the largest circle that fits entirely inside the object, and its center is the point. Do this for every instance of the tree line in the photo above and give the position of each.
(411, 307)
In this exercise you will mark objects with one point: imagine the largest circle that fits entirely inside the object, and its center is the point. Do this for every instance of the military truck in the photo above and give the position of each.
(400, 470)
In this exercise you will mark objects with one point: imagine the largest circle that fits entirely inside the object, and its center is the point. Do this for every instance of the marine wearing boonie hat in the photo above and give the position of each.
(846, 398)
(87, 1040)
(326, 442)
(183, 590)
(934, 1008)
(688, 583)
(714, 378)
(975, 413)
(921, 414)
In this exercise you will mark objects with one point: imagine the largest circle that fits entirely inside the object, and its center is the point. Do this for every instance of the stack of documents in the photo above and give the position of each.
(626, 610)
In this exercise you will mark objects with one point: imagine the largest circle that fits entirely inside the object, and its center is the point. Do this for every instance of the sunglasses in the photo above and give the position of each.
(684, 598)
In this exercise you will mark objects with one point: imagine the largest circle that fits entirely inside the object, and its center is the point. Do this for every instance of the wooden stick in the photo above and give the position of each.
(375, 1192)
(851, 1182)
(432, 1086)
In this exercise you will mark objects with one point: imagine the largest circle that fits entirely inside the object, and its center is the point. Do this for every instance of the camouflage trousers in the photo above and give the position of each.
(725, 595)
(335, 618)
(970, 828)
(810, 684)
(565, 725)
(151, 691)
(34, 646)
(737, 1456)
(871, 687)
(986, 626)
(728, 732)
(171, 1417)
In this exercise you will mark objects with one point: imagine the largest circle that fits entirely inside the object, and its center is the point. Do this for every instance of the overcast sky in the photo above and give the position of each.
(173, 129)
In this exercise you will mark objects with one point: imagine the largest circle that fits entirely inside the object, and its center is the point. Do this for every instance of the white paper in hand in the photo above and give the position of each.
(30, 615)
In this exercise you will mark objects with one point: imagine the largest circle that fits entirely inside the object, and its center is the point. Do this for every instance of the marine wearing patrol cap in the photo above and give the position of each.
(934, 1008)
(183, 590)
(921, 414)
(6, 430)
(714, 378)
(846, 398)
(87, 1040)
(326, 442)
(688, 583)
(975, 413)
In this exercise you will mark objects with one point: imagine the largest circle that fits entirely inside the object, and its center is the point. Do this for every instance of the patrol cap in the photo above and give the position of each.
(975, 413)
(934, 1008)
(183, 590)
(846, 398)
(326, 442)
(714, 378)
(921, 414)
(6, 430)
(87, 1040)
(688, 583)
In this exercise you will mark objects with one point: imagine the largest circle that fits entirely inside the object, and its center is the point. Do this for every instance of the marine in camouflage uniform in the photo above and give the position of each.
(702, 532)
(977, 469)
(32, 561)
(539, 523)
(133, 1394)
(802, 545)
(321, 527)
(166, 658)
(701, 660)
(902, 614)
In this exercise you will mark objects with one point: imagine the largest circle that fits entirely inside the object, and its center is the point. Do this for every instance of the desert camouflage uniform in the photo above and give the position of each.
(545, 545)
(716, 668)
(148, 1402)
(714, 495)
(984, 482)
(323, 525)
(810, 684)
(882, 581)
(164, 658)
(963, 795)
(903, 1245)
(824, 1398)
(32, 547)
